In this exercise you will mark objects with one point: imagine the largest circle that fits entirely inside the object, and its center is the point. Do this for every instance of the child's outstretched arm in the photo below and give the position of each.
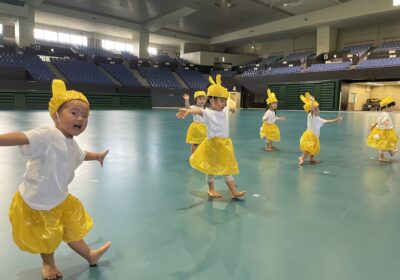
(338, 119)
(183, 112)
(373, 126)
(186, 97)
(281, 118)
(13, 139)
(96, 156)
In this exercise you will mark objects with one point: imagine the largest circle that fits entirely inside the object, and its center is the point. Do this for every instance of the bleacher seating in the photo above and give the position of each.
(129, 56)
(283, 70)
(359, 50)
(79, 71)
(120, 73)
(159, 77)
(382, 62)
(254, 73)
(32, 63)
(324, 67)
(302, 56)
(163, 58)
(193, 78)
(224, 73)
(387, 46)
(271, 59)
(91, 51)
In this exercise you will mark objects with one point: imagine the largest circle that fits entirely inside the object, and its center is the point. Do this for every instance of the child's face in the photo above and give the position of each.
(200, 101)
(315, 111)
(273, 105)
(72, 119)
(218, 103)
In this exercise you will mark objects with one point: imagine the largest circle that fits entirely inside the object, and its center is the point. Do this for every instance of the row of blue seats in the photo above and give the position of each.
(121, 73)
(194, 79)
(159, 77)
(33, 64)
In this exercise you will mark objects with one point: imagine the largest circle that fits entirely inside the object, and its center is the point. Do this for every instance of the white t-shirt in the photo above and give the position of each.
(216, 122)
(269, 117)
(384, 121)
(52, 160)
(197, 118)
(315, 123)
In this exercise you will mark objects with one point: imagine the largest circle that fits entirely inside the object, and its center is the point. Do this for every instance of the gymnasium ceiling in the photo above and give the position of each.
(200, 21)
(209, 17)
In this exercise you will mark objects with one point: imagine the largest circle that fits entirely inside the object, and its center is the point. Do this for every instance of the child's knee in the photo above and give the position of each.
(228, 178)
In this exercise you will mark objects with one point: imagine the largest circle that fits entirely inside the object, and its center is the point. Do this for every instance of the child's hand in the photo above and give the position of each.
(282, 118)
(339, 118)
(186, 96)
(101, 156)
(183, 112)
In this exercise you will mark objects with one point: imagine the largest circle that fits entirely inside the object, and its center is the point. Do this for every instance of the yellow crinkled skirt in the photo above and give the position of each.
(41, 231)
(270, 131)
(215, 156)
(309, 143)
(382, 139)
(197, 133)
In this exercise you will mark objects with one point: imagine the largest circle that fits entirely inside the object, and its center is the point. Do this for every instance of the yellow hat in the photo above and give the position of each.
(216, 89)
(62, 95)
(271, 97)
(386, 101)
(199, 93)
(307, 100)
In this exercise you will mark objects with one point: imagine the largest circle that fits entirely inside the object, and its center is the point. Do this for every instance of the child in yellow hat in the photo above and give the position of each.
(383, 137)
(309, 141)
(43, 213)
(215, 155)
(269, 130)
(197, 131)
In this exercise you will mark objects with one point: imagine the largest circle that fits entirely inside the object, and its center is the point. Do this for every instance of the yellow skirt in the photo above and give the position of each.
(215, 156)
(270, 131)
(382, 139)
(309, 143)
(41, 231)
(197, 133)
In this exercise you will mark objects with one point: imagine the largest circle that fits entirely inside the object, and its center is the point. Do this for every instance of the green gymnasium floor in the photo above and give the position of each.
(336, 220)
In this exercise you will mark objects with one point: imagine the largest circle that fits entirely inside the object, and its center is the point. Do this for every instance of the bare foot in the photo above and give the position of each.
(50, 271)
(392, 153)
(382, 159)
(313, 161)
(301, 160)
(269, 149)
(214, 194)
(238, 194)
(95, 255)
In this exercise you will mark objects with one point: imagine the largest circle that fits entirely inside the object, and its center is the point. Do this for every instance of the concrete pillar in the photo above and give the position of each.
(24, 30)
(326, 39)
(144, 44)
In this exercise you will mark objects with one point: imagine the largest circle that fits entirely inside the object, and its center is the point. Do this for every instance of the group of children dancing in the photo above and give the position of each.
(212, 149)
(43, 212)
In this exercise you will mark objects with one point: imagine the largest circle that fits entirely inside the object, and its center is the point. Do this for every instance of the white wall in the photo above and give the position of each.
(208, 58)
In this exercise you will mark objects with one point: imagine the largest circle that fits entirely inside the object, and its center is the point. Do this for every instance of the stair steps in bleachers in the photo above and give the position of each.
(109, 76)
(180, 81)
(55, 71)
(139, 77)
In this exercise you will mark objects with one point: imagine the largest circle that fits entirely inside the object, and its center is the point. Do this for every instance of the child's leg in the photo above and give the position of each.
(269, 147)
(49, 269)
(393, 152)
(302, 158)
(313, 160)
(92, 256)
(211, 190)
(194, 147)
(232, 187)
(382, 157)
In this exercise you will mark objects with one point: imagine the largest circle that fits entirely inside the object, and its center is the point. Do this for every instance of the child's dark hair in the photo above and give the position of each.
(391, 104)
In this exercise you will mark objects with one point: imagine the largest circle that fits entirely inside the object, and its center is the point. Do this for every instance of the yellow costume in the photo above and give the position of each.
(309, 142)
(383, 137)
(41, 231)
(269, 130)
(197, 131)
(216, 155)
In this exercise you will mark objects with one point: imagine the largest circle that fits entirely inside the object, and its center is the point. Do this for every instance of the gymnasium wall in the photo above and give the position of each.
(359, 93)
